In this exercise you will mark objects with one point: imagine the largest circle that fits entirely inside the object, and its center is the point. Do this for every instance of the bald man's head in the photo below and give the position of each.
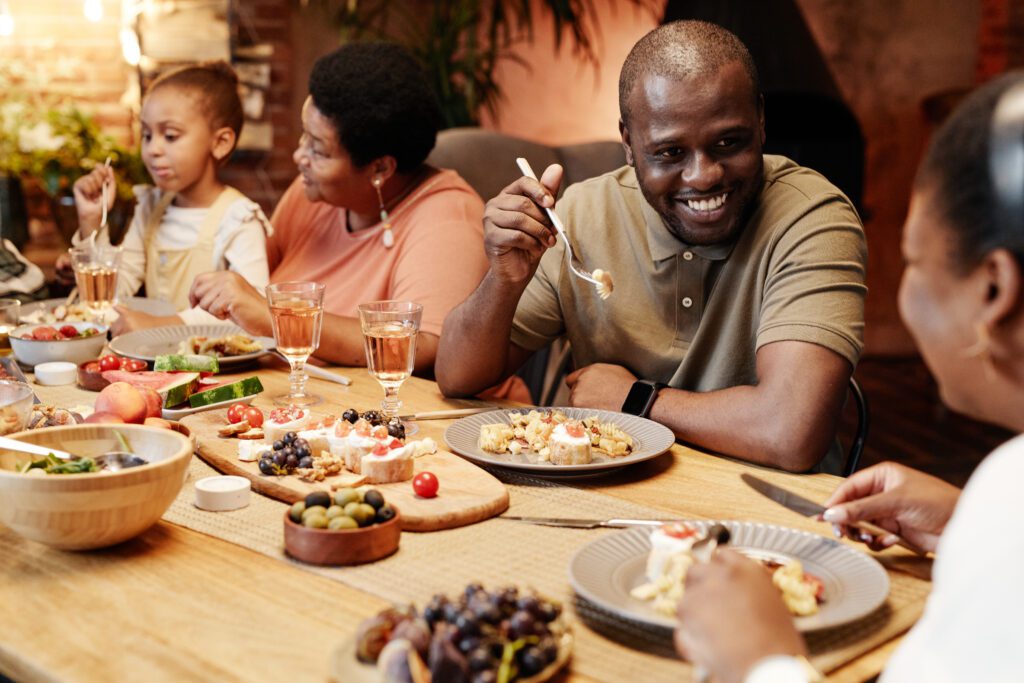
(683, 48)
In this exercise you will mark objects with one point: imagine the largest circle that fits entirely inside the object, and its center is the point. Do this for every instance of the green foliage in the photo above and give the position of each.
(461, 42)
(55, 145)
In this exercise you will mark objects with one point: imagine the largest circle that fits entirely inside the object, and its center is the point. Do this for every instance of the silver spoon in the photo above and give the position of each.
(111, 461)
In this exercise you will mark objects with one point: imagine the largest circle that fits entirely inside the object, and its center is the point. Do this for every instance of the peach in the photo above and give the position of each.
(123, 400)
(154, 402)
(100, 418)
(157, 422)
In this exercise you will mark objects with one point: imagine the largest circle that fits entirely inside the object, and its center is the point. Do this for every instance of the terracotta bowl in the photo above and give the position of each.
(342, 546)
(82, 511)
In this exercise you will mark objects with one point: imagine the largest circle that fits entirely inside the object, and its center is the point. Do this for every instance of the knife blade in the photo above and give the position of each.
(808, 508)
(590, 523)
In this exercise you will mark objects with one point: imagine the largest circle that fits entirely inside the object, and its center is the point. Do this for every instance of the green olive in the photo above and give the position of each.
(364, 514)
(319, 510)
(342, 522)
(350, 508)
(335, 511)
(315, 521)
(345, 496)
(296, 511)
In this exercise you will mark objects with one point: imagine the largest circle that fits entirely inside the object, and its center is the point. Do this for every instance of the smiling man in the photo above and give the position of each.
(738, 309)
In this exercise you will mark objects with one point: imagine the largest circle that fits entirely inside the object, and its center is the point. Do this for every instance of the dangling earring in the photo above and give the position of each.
(386, 236)
(981, 350)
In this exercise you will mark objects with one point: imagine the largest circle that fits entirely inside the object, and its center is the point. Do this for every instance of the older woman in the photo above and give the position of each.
(367, 217)
(962, 298)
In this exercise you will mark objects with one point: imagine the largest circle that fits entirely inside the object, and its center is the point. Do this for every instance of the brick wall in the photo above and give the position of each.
(1000, 38)
(57, 54)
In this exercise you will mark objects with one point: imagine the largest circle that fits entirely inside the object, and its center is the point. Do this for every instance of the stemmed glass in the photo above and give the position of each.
(96, 268)
(389, 334)
(297, 313)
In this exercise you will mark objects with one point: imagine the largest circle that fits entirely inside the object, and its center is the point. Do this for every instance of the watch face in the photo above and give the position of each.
(639, 399)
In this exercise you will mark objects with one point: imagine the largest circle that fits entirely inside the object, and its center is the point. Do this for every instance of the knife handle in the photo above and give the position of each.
(882, 533)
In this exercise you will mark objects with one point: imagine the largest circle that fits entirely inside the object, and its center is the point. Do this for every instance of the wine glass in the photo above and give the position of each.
(96, 269)
(389, 334)
(297, 313)
(10, 317)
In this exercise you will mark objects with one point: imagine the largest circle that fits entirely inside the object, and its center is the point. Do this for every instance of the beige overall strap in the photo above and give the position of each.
(149, 241)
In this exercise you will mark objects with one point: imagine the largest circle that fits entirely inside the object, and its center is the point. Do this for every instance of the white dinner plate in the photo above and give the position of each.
(32, 313)
(650, 440)
(606, 570)
(156, 341)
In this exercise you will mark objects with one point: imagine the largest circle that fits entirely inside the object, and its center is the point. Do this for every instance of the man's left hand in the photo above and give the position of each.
(602, 386)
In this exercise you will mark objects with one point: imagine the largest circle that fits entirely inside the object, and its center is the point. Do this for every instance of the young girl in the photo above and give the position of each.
(189, 222)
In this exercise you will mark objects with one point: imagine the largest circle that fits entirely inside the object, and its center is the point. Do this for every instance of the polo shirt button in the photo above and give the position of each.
(687, 255)
(687, 302)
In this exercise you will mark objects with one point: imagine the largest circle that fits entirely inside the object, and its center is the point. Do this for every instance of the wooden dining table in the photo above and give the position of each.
(177, 604)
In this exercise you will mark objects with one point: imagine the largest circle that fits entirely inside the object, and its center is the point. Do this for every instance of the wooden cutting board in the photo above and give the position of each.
(467, 493)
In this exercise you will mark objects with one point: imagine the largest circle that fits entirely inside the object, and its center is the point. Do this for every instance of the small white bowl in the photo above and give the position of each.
(78, 350)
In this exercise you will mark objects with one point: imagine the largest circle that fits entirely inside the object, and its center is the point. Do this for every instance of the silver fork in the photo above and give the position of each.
(604, 283)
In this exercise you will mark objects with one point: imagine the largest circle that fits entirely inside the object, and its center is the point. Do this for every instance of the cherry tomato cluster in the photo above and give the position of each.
(112, 362)
(241, 411)
(425, 485)
(47, 333)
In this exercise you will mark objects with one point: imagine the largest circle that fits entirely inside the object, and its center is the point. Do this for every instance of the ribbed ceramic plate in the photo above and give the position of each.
(148, 344)
(37, 310)
(650, 440)
(606, 570)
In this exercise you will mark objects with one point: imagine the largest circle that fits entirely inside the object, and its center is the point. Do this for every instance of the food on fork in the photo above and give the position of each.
(604, 289)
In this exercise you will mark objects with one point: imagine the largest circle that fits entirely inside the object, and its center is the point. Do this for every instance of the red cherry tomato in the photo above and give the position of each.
(425, 485)
(45, 333)
(132, 364)
(236, 413)
(110, 362)
(254, 416)
(68, 331)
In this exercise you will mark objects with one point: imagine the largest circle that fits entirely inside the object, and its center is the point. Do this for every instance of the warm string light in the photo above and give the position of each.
(93, 10)
(130, 49)
(6, 20)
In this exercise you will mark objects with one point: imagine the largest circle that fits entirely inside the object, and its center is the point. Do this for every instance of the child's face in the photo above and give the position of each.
(177, 142)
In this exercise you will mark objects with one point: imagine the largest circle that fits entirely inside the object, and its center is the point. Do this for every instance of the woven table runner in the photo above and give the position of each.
(498, 552)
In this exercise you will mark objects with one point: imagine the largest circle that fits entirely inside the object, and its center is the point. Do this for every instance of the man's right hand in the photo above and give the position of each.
(902, 500)
(517, 231)
(89, 198)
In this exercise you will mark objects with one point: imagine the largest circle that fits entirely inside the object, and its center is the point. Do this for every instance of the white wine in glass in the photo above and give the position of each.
(297, 314)
(389, 335)
(96, 268)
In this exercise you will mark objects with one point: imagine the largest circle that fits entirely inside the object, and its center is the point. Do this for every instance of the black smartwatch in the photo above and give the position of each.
(641, 397)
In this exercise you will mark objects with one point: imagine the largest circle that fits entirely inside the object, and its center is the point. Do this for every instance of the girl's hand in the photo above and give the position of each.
(89, 198)
(227, 295)
(907, 502)
(64, 273)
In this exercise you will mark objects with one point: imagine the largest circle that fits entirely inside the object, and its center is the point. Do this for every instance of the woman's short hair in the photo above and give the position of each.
(215, 86)
(956, 172)
(380, 102)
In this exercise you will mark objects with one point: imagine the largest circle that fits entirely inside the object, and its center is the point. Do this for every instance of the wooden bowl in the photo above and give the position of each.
(82, 511)
(342, 546)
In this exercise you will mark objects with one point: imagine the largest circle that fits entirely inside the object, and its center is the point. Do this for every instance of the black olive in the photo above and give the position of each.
(306, 462)
(374, 498)
(350, 415)
(385, 514)
(480, 659)
(266, 466)
(373, 417)
(321, 498)
(531, 661)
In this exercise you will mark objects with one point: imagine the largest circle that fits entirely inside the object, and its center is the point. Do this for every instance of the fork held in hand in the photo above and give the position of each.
(601, 279)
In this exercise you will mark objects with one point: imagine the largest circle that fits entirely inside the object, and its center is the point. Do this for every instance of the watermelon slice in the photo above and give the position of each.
(174, 387)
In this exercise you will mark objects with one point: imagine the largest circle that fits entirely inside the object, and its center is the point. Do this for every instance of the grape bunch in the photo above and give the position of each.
(479, 637)
(286, 455)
